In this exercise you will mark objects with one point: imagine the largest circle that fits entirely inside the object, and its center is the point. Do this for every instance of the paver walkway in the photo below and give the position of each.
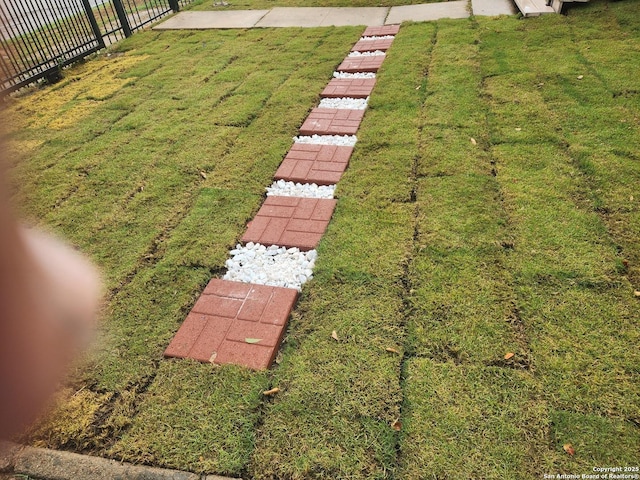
(335, 16)
(244, 323)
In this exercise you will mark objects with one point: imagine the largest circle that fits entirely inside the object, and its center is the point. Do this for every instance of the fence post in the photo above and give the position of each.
(94, 23)
(122, 16)
(174, 5)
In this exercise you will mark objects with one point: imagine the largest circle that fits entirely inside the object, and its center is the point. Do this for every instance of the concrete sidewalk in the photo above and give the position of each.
(334, 16)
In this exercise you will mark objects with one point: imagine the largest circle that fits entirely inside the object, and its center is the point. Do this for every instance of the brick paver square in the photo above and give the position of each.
(372, 45)
(319, 164)
(303, 226)
(381, 31)
(349, 87)
(361, 64)
(234, 322)
(332, 121)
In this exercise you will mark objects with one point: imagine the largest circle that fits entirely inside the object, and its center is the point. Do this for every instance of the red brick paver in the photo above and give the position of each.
(361, 64)
(319, 164)
(349, 87)
(237, 323)
(332, 121)
(372, 45)
(381, 31)
(290, 222)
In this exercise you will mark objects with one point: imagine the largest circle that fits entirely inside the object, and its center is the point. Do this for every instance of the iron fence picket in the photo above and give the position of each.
(39, 37)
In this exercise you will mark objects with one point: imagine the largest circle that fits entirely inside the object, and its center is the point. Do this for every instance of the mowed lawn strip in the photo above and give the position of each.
(574, 300)
(457, 385)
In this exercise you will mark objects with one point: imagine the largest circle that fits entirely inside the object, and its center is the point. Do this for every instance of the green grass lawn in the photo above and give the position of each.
(491, 206)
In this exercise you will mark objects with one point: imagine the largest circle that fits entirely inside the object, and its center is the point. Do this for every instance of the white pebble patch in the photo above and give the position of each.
(281, 188)
(340, 140)
(344, 103)
(379, 37)
(377, 53)
(354, 75)
(274, 266)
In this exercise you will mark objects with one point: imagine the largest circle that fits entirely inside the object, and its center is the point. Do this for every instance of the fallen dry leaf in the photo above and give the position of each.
(252, 340)
(518, 129)
(569, 449)
(396, 425)
(473, 141)
(273, 391)
(580, 77)
(509, 355)
(418, 87)
(392, 350)
(636, 293)
(203, 175)
(334, 335)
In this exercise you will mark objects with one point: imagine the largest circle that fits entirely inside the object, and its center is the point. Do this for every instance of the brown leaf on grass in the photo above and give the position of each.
(273, 391)
(334, 335)
(473, 141)
(396, 425)
(567, 447)
(509, 355)
(392, 350)
(203, 175)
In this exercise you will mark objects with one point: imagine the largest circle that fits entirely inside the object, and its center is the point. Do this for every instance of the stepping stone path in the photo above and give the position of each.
(243, 323)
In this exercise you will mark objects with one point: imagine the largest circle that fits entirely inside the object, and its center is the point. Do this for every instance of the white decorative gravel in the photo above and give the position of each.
(344, 103)
(282, 188)
(378, 37)
(377, 53)
(274, 266)
(354, 75)
(340, 140)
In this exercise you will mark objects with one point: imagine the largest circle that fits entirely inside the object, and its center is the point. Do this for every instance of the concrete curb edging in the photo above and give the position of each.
(47, 464)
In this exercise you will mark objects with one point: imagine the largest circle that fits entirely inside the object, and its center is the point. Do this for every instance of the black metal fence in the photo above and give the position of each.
(39, 37)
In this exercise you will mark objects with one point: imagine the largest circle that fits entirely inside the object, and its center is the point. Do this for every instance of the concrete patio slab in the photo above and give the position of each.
(491, 8)
(427, 12)
(212, 20)
(323, 17)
